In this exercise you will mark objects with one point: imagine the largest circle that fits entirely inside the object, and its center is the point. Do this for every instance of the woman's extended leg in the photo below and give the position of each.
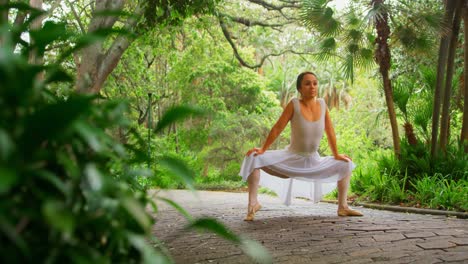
(253, 206)
(343, 186)
(252, 182)
(343, 209)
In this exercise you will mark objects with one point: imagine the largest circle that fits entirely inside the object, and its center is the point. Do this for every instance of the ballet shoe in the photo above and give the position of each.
(349, 212)
(251, 212)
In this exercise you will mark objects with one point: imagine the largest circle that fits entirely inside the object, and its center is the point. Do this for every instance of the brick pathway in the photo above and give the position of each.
(309, 233)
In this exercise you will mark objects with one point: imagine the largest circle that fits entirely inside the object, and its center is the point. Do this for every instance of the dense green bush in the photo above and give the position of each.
(70, 192)
(441, 193)
(439, 183)
(60, 202)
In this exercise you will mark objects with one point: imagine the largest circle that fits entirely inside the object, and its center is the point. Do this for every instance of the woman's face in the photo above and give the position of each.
(309, 87)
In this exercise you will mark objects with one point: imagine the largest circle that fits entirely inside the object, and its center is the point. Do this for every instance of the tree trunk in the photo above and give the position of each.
(96, 63)
(461, 90)
(447, 93)
(449, 9)
(176, 137)
(464, 131)
(383, 58)
(36, 24)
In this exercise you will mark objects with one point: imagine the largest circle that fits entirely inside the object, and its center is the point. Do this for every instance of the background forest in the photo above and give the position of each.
(102, 101)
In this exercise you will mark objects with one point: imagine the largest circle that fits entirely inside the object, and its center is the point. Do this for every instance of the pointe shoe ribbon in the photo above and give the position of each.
(251, 212)
(349, 212)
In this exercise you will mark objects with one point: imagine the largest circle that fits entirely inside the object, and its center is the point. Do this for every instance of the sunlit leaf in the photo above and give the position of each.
(177, 113)
(150, 256)
(58, 216)
(153, 205)
(178, 168)
(210, 224)
(177, 207)
(256, 251)
(137, 211)
(90, 134)
(94, 177)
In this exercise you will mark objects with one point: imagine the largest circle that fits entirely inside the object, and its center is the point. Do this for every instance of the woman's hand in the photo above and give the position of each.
(258, 151)
(343, 157)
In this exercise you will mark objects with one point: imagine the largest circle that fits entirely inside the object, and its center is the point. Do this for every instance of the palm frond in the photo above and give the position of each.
(422, 115)
(376, 12)
(352, 19)
(370, 38)
(348, 67)
(365, 59)
(413, 41)
(433, 20)
(315, 14)
(423, 44)
(324, 56)
(429, 77)
(352, 48)
(401, 97)
(328, 45)
(405, 35)
(354, 35)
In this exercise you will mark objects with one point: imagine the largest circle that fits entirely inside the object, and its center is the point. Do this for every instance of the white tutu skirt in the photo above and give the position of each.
(292, 175)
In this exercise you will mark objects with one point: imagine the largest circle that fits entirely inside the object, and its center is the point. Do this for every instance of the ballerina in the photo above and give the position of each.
(298, 170)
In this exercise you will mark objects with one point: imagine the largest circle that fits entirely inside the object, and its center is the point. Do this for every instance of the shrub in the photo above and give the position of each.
(60, 202)
(70, 192)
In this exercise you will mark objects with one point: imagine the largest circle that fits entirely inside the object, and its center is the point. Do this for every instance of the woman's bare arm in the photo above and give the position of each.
(276, 129)
(331, 137)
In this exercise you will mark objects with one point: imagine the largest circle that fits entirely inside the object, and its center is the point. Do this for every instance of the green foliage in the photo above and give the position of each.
(359, 129)
(221, 185)
(416, 160)
(55, 162)
(344, 37)
(67, 180)
(316, 14)
(441, 193)
(415, 179)
(173, 12)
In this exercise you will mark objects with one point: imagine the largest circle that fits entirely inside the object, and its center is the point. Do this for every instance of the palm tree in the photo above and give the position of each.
(383, 58)
(360, 43)
(464, 130)
(444, 123)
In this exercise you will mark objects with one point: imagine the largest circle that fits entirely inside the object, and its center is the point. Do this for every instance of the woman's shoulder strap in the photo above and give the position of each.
(295, 103)
(323, 105)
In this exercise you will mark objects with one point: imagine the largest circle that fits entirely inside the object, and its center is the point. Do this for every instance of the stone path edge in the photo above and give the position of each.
(462, 215)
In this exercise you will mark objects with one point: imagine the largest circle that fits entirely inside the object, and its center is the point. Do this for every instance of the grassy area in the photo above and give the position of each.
(429, 193)
(231, 186)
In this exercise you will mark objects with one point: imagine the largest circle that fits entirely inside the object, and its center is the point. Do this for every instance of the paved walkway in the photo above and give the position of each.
(309, 233)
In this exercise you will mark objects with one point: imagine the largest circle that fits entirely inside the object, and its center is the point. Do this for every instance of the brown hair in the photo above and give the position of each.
(300, 77)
